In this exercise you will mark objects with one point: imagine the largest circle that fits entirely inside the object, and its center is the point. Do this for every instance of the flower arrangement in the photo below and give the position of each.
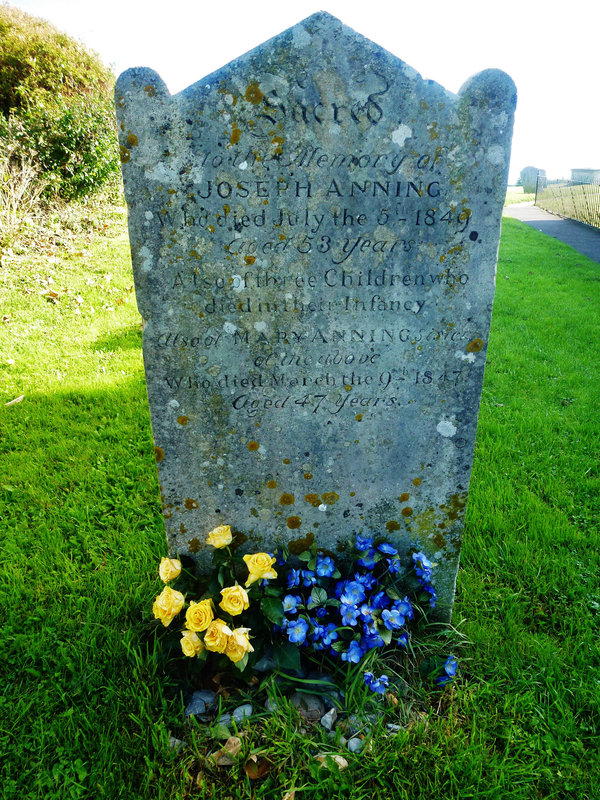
(294, 604)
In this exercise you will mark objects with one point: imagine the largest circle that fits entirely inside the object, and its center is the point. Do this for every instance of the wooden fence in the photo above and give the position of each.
(579, 201)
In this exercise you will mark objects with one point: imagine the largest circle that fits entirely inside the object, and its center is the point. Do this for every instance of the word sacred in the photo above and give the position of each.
(275, 108)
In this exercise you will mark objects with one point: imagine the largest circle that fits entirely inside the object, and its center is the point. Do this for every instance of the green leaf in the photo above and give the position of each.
(272, 609)
(241, 664)
(286, 655)
(429, 666)
(312, 564)
(392, 593)
(305, 555)
(220, 731)
(386, 635)
(219, 557)
(318, 596)
(274, 591)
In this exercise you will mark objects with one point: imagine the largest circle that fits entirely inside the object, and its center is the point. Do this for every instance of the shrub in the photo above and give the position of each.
(56, 102)
(21, 185)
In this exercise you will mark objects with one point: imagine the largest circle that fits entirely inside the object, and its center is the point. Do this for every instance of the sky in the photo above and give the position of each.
(548, 48)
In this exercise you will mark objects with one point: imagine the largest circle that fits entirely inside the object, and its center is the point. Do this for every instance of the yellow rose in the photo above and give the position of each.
(220, 537)
(169, 569)
(167, 605)
(259, 566)
(199, 616)
(191, 644)
(235, 600)
(216, 636)
(238, 645)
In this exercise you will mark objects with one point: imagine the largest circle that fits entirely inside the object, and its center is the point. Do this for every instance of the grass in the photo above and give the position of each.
(89, 698)
(515, 194)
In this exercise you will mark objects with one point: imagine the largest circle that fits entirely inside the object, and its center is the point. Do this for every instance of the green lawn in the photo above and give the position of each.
(88, 699)
(515, 194)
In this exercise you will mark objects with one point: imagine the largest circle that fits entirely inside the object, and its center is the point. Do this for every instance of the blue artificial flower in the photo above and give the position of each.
(321, 612)
(280, 559)
(380, 600)
(366, 612)
(354, 592)
(349, 614)
(339, 588)
(370, 628)
(290, 603)
(386, 548)
(405, 608)
(423, 566)
(293, 578)
(330, 634)
(432, 594)
(378, 685)
(372, 640)
(368, 580)
(392, 619)
(368, 560)
(353, 654)
(297, 630)
(393, 565)
(308, 577)
(325, 566)
(363, 544)
(318, 630)
(425, 562)
(403, 639)
(450, 668)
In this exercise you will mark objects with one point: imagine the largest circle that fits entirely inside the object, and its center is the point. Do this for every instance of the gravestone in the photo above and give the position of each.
(529, 177)
(314, 232)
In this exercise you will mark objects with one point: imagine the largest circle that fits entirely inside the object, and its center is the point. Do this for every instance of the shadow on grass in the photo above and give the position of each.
(82, 533)
(126, 338)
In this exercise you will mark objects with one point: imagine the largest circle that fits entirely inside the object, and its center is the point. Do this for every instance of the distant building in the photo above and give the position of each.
(585, 175)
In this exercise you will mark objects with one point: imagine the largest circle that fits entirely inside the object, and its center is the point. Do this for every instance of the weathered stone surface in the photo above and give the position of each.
(314, 233)
(529, 176)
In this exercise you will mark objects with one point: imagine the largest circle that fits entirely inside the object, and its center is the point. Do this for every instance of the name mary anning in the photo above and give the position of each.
(315, 336)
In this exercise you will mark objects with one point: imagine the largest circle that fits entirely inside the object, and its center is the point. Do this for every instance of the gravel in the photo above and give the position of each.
(242, 712)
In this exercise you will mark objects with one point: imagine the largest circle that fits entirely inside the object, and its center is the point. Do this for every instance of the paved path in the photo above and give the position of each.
(580, 237)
